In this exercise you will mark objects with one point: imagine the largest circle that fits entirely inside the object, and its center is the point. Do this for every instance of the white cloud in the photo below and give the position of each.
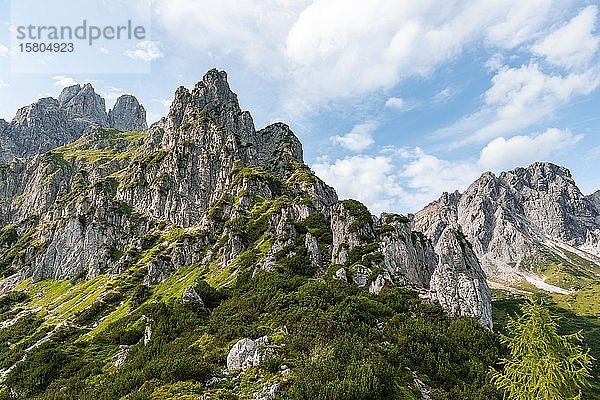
(3, 84)
(495, 62)
(359, 138)
(522, 21)
(406, 179)
(254, 31)
(429, 175)
(368, 179)
(112, 93)
(397, 180)
(518, 98)
(146, 51)
(503, 153)
(104, 50)
(327, 49)
(63, 81)
(395, 102)
(573, 45)
(4, 51)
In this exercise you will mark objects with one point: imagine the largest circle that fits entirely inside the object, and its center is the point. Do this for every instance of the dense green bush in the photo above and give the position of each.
(340, 341)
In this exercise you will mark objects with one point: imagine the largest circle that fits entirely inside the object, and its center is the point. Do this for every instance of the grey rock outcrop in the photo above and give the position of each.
(404, 257)
(83, 103)
(147, 330)
(594, 198)
(458, 283)
(247, 353)
(127, 114)
(341, 275)
(50, 123)
(191, 296)
(514, 219)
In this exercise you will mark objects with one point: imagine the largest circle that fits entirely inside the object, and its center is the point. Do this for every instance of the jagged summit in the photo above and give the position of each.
(215, 88)
(49, 122)
(516, 219)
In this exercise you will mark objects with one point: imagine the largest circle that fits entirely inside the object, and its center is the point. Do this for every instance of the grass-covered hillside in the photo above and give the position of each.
(333, 340)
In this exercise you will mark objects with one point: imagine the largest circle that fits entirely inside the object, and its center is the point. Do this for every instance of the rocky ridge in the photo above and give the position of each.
(50, 123)
(520, 221)
(203, 187)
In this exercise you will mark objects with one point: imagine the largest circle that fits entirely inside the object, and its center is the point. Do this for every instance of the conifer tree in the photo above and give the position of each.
(542, 364)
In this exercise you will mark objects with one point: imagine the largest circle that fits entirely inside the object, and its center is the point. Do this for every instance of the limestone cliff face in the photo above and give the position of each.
(594, 198)
(459, 283)
(513, 217)
(127, 114)
(375, 252)
(50, 122)
(203, 188)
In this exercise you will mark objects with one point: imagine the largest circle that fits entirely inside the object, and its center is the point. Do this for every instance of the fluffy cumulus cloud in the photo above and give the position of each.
(332, 48)
(396, 103)
(405, 179)
(574, 44)
(518, 98)
(340, 49)
(146, 50)
(254, 31)
(63, 81)
(428, 176)
(503, 153)
(397, 179)
(370, 179)
(359, 138)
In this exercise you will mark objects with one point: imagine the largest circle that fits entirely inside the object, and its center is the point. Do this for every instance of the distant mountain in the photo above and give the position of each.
(522, 223)
(51, 123)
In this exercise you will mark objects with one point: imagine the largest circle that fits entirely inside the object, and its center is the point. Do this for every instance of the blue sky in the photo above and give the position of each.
(394, 101)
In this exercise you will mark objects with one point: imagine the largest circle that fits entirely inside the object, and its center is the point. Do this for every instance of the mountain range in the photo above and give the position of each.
(531, 224)
(104, 220)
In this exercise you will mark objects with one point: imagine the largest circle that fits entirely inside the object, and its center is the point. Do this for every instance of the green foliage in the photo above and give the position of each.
(389, 218)
(359, 212)
(153, 159)
(209, 295)
(542, 364)
(316, 224)
(140, 294)
(8, 236)
(11, 299)
(346, 368)
(364, 254)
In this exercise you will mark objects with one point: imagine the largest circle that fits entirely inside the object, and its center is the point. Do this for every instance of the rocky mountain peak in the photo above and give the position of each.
(214, 88)
(35, 113)
(539, 175)
(83, 102)
(594, 198)
(127, 114)
(50, 123)
(68, 93)
(511, 218)
(210, 101)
